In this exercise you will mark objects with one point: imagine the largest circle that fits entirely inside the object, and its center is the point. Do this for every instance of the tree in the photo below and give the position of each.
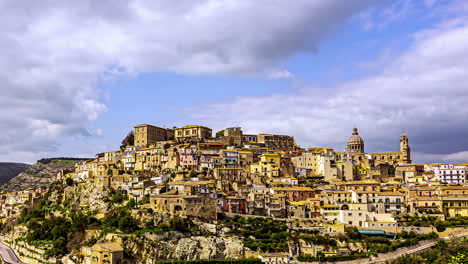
(69, 181)
(219, 133)
(129, 140)
(131, 203)
(178, 224)
(128, 224)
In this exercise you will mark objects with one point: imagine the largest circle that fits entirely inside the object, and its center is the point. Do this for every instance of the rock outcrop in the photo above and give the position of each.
(88, 197)
(187, 248)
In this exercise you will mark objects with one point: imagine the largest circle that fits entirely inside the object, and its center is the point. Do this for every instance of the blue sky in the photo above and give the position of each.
(311, 69)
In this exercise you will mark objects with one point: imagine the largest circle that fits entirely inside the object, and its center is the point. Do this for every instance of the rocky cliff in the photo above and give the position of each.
(87, 197)
(37, 175)
(187, 248)
(9, 170)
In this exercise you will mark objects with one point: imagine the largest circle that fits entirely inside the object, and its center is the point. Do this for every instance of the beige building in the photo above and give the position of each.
(319, 161)
(184, 205)
(277, 142)
(193, 132)
(232, 136)
(103, 253)
(146, 135)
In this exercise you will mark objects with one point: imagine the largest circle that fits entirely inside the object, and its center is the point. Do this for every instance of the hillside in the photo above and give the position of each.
(37, 175)
(9, 170)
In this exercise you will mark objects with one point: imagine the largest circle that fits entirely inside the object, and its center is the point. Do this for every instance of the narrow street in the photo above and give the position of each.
(8, 255)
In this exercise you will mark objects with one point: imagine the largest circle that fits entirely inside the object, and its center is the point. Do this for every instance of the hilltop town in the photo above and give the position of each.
(188, 193)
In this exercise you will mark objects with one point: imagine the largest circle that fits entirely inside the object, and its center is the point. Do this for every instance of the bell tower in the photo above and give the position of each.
(404, 148)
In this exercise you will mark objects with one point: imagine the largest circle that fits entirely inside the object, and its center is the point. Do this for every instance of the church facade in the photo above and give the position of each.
(355, 152)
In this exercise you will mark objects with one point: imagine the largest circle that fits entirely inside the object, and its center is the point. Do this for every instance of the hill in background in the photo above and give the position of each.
(38, 175)
(9, 170)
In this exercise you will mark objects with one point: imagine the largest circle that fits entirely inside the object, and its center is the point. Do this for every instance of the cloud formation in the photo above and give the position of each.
(423, 91)
(56, 52)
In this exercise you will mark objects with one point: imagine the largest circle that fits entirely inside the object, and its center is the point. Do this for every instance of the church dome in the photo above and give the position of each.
(355, 142)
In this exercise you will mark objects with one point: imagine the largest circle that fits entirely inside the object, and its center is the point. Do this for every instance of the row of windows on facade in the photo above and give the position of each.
(452, 172)
(150, 130)
(455, 204)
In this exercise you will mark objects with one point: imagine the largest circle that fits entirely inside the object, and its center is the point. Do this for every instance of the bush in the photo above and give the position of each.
(453, 252)
(127, 224)
(118, 197)
(178, 224)
(69, 181)
(120, 219)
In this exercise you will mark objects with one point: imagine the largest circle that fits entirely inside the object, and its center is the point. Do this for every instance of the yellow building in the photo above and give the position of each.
(455, 205)
(112, 156)
(274, 158)
(146, 135)
(193, 132)
(267, 169)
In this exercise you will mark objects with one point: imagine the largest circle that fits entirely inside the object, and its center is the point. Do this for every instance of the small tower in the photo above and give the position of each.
(404, 148)
(355, 142)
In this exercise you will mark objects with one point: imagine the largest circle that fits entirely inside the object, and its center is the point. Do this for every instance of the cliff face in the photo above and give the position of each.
(188, 248)
(92, 197)
(37, 175)
(10, 170)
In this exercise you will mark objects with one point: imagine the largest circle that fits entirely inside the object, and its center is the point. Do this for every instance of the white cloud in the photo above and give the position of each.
(99, 132)
(461, 156)
(281, 75)
(56, 52)
(423, 90)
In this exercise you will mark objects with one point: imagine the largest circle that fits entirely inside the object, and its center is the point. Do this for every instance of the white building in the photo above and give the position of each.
(450, 174)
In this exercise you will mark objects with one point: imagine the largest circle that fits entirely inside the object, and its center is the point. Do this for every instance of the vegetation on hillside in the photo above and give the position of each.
(57, 228)
(61, 159)
(58, 234)
(213, 261)
(269, 235)
(451, 252)
(372, 244)
(428, 220)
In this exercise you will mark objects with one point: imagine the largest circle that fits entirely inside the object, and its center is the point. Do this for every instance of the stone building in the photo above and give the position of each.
(146, 135)
(193, 132)
(184, 205)
(101, 253)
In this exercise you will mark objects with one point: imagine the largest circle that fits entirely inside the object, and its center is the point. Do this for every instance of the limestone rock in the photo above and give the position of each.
(187, 248)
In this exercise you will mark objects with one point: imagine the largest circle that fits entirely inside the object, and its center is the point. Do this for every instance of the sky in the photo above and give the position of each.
(76, 76)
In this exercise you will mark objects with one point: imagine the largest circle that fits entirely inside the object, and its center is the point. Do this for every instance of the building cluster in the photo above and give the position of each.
(186, 171)
(190, 172)
(12, 204)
